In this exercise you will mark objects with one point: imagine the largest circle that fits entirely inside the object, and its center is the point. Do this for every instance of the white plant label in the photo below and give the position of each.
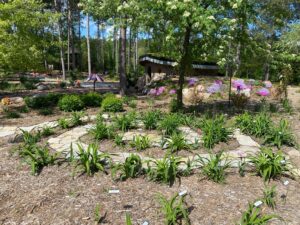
(114, 191)
(182, 193)
(286, 182)
(145, 223)
(258, 203)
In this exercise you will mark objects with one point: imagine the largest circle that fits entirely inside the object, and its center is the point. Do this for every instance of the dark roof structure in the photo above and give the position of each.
(172, 63)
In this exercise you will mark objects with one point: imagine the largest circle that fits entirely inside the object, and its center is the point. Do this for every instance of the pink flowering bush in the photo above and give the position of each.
(239, 84)
(172, 92)
(263, 92)
(268, 84)
(157, 91)
(192, 82)
(215, 87)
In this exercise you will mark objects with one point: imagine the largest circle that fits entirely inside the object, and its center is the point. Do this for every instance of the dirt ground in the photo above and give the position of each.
(61, 196)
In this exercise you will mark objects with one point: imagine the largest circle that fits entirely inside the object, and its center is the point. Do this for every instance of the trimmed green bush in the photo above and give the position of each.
(112, 104)
(70, 103)
(43, 101)
(91, 99)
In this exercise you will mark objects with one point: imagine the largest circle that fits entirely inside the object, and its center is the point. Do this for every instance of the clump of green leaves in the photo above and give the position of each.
(46, 111)
(175, 210)
(47, 131)
(177, 142)
(125, 121)
(91, 99)
(281, 135)
(70, 103)
(286, 104)
(214, 167)
(91, 160)
(214, 131)
(100, 131)
(37, 157)
(268, 164)
(269, 196)
(151, 119)
(258, 125)
(118, 139)
(30, 138)
(64, 123)
(10, 114)
(140, 142)
(164, 170)
(254, 216)
(128, 219)
(112, 104)
(170, 123)
(131, 168)
(76, 118)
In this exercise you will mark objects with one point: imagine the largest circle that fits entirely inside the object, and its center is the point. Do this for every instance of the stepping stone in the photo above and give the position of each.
(190, 135)
(244, 140)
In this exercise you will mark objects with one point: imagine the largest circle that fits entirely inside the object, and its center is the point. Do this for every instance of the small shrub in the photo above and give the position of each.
(47, 131)
(91, 160)
(287, 106)
(273, 108)
(62, 84)
(9, 114)
(175, 210)
(239, 100)
(177, 142)
(23, 109)
(174, 106)
(151, 119)
(46, 111)
(43, 101)
(269, 165)
(140, 142)
(164, 170)
(64, 123)
(214, 167)
(125, 121)
(253, 216)
(269, 196)
(92, 99)
(131, 168)
(170, 123)
(281, 135)
(214, 131)
(112, 104)
(70, 103)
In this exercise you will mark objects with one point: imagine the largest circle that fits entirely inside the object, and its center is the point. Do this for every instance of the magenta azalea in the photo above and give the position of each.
(160, 90)
(239, 84)
(263, 92)
(215, 87)
(152, 91)
(192, 82)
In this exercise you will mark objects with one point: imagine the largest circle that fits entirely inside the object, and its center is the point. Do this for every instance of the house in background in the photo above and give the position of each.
(160, 67)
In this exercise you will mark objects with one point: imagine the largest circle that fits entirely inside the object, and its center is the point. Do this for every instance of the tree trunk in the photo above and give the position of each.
(58, 9)
(98, 49)
(88, 43)
(116, 51)
(184, 64)
(136, 55)
(266, 71)
(69, 35)
(122, 66)
(102, 54)
(238, 60)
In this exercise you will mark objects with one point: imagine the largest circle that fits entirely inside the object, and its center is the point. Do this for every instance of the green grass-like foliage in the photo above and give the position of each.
(164, 170)
(47, 131)
(140, 142)
(91, 99)
(64, 123)
(128, 219)
(170, 123)
(112, 104)
(125, 122)
(175, 210)
(177, 142)
(269, 196)
(37, 157)
(254, 216)
(10, 114)
(70, 103)
(76, 118)
(131, 168)
(281, 135)
(91, 160)
(268, 164)
(151, 119)
(214, 167)
(46, 111)
(101, 131)
(258, 125)
(30, 138)
(214, 131)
